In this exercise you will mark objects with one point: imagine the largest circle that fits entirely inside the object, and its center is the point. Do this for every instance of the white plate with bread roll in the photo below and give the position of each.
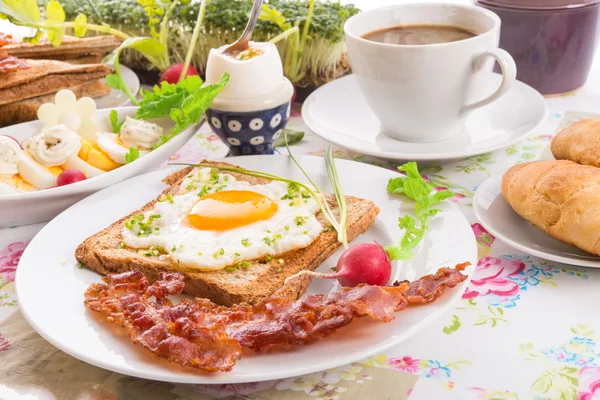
(551, 208)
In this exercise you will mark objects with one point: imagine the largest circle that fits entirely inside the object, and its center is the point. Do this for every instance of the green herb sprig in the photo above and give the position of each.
(425, 197)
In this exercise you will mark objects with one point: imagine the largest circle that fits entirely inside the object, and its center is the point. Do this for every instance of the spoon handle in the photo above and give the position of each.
(252, 21)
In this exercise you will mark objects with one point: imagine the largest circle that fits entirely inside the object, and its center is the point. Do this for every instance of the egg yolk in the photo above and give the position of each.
(230, 209)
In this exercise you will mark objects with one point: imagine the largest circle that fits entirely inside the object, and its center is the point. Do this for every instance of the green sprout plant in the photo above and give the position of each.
(296, 39)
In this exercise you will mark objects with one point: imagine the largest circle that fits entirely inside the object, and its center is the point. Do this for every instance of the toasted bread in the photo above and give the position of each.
(101, 253)
(26, 110)
(47, 76)
(71, 48)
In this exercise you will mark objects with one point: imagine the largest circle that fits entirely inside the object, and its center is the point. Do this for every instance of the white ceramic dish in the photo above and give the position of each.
(43, 205)
(117, 98)
(339, 113)
(498, 217)
(88, 337)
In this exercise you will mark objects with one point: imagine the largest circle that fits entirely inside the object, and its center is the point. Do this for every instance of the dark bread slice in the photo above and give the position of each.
(100, 253)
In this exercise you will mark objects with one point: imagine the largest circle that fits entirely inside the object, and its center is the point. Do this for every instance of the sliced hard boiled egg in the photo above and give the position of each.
(37, 174)
(93, 155)
(77, 163)
(112, 145)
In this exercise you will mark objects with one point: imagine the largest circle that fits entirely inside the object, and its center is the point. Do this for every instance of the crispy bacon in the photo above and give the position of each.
(203, 335)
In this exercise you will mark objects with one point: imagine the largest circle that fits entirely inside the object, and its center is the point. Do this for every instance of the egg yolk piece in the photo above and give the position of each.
(230, 209)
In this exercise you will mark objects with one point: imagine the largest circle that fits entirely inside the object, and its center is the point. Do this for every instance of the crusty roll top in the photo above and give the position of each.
(580, 142)
(562, 198)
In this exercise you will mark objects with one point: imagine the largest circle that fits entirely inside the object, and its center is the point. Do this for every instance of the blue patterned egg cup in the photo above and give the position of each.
(252, 132)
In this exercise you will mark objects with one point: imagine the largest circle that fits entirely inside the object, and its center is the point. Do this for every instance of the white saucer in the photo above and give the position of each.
(339, 114)
(505, 224)
(117, 98)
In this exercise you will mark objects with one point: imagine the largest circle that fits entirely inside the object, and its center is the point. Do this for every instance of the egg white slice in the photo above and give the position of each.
(108, 143)
(34, 173)
(74, 162)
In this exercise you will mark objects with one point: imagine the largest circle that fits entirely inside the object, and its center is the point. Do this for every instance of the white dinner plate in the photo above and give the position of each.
(339, 113)
(46, 286)
(498, 217)
(43, 205)
(116, 98)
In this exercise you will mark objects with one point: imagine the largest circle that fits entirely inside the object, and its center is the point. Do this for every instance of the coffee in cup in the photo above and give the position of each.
(420, 65)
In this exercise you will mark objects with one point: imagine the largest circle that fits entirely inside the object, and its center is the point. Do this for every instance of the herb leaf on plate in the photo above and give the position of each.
(132, 155)
(159, 101)
(416, 188)
(114, 121)
(188, 110)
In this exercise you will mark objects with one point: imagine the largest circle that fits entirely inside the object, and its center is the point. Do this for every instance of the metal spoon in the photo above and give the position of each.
(242, 43)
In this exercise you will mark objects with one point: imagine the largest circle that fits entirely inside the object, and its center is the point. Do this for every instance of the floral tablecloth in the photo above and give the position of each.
(525, 329)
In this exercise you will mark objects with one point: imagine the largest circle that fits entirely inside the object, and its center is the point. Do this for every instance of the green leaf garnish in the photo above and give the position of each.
(425, 197)
(55, 15)
(193, 107)
(132, 155)
(80, 25)
(114, 121)
(292, 137)
(159, 101)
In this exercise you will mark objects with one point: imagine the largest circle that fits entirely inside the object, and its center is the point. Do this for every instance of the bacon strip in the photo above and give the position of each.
(203, 335)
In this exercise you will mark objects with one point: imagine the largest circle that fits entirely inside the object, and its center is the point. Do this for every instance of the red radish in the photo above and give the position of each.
(172, 74)
(293, 100)
(69, 176)
(14, 140)
(367, 263)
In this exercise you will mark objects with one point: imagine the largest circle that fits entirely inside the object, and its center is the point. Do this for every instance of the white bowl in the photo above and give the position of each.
(43, 205)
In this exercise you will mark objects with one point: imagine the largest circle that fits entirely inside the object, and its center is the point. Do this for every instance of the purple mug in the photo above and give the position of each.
(551, 41)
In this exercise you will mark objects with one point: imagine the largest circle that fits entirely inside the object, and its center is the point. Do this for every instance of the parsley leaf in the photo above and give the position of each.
(189, 109)
(114, 121)
(133, 155)
(416, 188)
(159, 101)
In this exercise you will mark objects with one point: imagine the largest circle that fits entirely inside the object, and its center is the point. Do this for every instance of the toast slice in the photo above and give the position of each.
(26, 110)
(71, 48)
(101, 253)
(47, 76)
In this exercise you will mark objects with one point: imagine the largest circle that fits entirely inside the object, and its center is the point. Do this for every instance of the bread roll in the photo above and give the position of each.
(579, 142)
(562, 198)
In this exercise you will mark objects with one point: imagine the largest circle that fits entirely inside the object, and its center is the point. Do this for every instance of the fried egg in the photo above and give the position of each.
(215, 221)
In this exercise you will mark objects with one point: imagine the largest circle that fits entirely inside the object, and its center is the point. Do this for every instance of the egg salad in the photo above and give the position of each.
(215, 221)
(70, 147)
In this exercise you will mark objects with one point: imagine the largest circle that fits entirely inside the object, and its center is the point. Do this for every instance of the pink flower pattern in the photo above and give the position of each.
(4, 344)
(9, 259)
(405, 364)
(491, 277)
(589, 383)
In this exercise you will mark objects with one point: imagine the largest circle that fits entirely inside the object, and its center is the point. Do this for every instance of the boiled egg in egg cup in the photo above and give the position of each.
(251, 112)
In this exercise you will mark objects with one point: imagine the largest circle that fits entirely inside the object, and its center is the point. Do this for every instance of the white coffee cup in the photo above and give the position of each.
(421, 93)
